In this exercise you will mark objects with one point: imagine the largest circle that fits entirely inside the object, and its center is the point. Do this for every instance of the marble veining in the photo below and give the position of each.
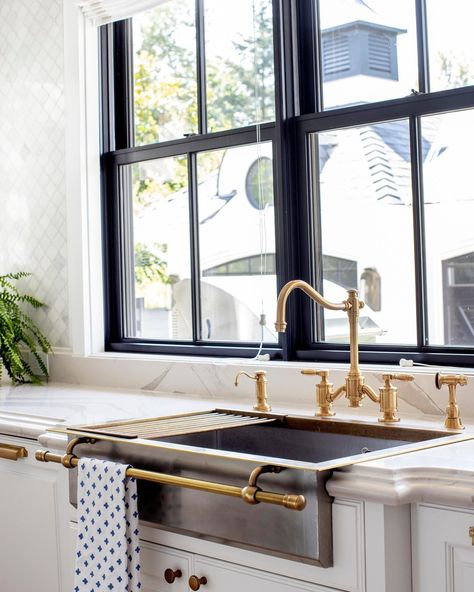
(439, 475)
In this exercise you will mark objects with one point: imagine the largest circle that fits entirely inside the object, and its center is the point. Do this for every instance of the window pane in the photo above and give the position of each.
(239, 63)
(161, 251)
(449, 215)
(368, 51)
(237, 244)
(164, 69)
(364, 187)
(451, 51)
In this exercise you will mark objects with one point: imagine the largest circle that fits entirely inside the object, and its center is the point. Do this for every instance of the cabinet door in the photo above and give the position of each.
(443, 551)
(156, 560)
(222, 576)
(31, 523)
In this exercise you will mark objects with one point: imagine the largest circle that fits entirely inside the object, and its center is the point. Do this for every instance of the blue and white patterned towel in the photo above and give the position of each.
(107, 551)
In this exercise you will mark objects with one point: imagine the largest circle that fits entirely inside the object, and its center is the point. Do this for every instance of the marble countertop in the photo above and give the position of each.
(444, 474)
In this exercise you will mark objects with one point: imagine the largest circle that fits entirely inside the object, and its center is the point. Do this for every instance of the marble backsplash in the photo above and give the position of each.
(214, 379)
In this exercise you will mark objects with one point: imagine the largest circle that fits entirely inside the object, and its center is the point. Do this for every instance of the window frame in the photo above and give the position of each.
(298, 114)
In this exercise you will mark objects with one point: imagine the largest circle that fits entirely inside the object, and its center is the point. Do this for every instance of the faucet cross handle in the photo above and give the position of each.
(453, 415)
(388, 397)
(324, 392)
(260, 378)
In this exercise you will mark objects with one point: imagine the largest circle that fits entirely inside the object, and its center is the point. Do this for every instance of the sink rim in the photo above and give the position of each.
(440, 437)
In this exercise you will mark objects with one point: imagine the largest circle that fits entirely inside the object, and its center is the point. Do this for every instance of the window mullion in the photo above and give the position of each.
(201, 68)
(194, 244)
(422, 45)
(123, 85)
(416, 150)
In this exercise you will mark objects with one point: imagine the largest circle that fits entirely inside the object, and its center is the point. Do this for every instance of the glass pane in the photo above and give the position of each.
(368, 51)
(364, 187)
(239, 63)
(164, 69)
(160, 267)
(237, 244)
(451, 51)
(449, 215)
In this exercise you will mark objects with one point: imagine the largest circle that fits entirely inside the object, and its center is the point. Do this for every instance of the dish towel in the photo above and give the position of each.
(107, 550)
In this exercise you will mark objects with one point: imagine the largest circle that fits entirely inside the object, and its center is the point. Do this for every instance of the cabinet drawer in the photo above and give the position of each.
(222, 576)
(443, 550)
(155, 560)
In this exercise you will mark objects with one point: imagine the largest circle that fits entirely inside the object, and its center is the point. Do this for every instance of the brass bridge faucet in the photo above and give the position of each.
(354, 388)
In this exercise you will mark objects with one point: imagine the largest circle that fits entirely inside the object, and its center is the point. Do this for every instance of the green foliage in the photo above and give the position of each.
(18, 332)
(454, 72)
(241, 91)
(149, 267)
(239, 88)
(165, 85)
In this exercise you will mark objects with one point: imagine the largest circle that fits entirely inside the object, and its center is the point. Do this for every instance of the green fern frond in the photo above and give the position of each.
(19, 332)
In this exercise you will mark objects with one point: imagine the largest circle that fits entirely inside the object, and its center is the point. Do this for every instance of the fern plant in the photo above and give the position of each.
(18, 333)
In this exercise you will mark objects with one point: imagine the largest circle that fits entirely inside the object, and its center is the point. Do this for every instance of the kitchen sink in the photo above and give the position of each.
(290, 439)
(226, 446)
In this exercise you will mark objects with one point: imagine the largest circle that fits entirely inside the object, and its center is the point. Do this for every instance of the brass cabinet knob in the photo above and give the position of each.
(471, 534)
(12, 452)
(171, 575)
(195, 583)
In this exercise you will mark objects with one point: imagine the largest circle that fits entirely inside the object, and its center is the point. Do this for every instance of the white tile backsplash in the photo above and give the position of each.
(32, 155)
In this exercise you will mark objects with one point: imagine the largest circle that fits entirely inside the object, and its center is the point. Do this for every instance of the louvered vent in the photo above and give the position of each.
(358, 48)
(336, 54)
(379, 53)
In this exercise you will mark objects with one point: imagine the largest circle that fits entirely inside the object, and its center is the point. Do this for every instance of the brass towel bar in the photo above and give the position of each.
(251, 493)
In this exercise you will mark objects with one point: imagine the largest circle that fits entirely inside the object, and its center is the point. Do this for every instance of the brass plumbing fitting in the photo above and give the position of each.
(453, 416)
(260, 388)
(354, 388)
(324, 392)
(387, 397)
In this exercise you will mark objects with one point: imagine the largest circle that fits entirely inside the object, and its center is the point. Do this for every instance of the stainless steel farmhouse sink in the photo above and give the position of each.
(296, 455)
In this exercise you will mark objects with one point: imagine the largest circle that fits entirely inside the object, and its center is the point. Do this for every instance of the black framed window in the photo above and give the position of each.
(356, 176)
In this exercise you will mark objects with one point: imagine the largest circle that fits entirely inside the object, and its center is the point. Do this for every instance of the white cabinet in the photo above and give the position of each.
(36, 546)
(443, 550)
(228, 568)
(210, 575)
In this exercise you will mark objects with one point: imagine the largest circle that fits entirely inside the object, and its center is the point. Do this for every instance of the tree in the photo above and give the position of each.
(240, 89)
(165, 74)
(453, 72)
(239, 92)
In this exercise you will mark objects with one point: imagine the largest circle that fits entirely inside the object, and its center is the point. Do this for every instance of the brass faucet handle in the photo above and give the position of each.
(310, 372)
(260, 378)
(324, 392)
(453, 415)
(403, 377)
(388, 396)
(450, 379)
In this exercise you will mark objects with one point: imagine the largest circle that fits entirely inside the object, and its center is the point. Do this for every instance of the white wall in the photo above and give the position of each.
(33, 234)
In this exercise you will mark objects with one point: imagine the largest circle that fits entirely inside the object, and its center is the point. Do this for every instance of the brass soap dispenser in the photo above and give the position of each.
(260, 378)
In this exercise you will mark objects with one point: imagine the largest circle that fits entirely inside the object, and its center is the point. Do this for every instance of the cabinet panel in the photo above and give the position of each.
(348, 572)
(443, 553)
(31, 526)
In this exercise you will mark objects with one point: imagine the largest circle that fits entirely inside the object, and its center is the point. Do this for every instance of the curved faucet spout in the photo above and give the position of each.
(354, 388)
(280, 323)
